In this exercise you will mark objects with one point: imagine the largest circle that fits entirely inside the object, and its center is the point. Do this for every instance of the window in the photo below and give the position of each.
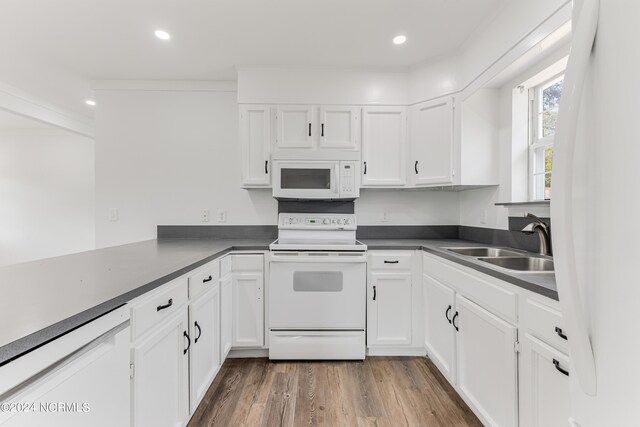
(544, 102)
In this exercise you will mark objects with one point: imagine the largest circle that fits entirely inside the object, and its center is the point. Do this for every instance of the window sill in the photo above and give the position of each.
(530, 203)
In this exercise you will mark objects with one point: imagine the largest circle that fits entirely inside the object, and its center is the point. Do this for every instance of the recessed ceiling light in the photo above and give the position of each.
(162, 35)
(400, 39)
(90, 102)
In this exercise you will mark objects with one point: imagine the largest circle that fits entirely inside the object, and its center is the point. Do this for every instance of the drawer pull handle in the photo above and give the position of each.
(374, 293)
(453, 321)
(208, 279)
(446, 314)
(186, 335)
(167, 305)
(560, 333)
(557, 365)
(199, 332)
(391, 262)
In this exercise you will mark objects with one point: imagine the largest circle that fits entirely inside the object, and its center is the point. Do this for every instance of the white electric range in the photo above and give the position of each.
(317, 289)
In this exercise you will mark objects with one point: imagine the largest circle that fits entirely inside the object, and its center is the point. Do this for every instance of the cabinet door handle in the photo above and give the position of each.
(167, 305)
(391, 262)
(415, 167)
(309, 129)
(365, 168)
(266, 166)
(453, 321)
(560, 333)
(322, 129)
(446, 314)
(186, 335)
(557, 365)
(208, 279)
(374, 293)
(199, 332)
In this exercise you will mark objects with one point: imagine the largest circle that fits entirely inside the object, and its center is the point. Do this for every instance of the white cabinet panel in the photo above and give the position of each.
(248, 309)
(439, 334)
(544, 388)
(389, 309)
(255, 140)
(96, 379)
(486, 368)
(431, 142)
(295, 127)
(383, 146)
(226, 316)
(204, 322)
(161, 377)
(339, 128)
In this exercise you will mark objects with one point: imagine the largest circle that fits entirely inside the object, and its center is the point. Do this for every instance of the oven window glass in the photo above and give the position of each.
(317, 281)
(309, 179)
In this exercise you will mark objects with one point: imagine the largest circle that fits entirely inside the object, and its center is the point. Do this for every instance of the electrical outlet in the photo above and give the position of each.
(205, 215)
(113, 214)
(483, 218)
(385, 216)
(222, 215)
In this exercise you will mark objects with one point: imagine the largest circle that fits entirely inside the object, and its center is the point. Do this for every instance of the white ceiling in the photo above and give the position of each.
(57, 46)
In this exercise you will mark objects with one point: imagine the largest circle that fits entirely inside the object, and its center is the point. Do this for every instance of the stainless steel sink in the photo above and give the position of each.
(521, 263)
(484, 252)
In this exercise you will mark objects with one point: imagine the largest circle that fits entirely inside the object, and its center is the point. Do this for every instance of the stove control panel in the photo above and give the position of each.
(317, 221)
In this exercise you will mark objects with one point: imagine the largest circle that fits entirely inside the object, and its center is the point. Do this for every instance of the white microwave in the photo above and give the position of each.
(322, 180)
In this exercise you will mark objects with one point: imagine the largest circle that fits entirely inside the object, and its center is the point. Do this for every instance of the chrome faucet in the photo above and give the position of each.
(542, 228)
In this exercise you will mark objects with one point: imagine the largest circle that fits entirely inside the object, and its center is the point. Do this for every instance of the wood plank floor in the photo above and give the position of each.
(381, 391)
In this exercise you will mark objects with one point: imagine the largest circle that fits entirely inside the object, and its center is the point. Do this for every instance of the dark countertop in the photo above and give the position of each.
(45, 299)
(543, 283)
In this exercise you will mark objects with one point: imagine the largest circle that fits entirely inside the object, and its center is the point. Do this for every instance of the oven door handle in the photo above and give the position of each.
(319, 259)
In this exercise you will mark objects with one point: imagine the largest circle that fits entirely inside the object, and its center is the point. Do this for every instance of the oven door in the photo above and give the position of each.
(317, 290)
(306, 180)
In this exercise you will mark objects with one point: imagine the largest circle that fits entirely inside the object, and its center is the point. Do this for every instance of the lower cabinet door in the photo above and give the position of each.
(487, 368)
(204, 321)
(544, 385)
(248, 309)
(161, 374)
(389, 309)
(439, 333)
(226, 316)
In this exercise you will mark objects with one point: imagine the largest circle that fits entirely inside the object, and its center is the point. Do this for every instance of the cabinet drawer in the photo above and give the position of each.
(204, 278)
(542, 320)
(471, 284)
(247, 262)
(153, 309)
(392, 260)
(225, 266)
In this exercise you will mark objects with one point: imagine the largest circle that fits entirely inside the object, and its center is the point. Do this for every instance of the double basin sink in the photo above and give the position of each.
(505, 258)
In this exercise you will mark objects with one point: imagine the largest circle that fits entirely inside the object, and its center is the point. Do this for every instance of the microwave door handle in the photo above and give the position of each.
(336, 181)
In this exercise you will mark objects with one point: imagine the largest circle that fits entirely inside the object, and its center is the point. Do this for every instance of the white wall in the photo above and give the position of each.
(46, 194)
(407, 207)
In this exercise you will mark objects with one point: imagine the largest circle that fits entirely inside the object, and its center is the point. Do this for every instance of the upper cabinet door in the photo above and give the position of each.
(296, 127)
(432, 142)
(383, 146)
(255, 139)
(339, 128)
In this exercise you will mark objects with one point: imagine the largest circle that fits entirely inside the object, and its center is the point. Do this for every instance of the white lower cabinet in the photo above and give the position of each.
(439, 335)
(389, 308)
(486, 362)
(248, 301)
(204, 323)
(226, 315)
(544, 385)
(160, 385)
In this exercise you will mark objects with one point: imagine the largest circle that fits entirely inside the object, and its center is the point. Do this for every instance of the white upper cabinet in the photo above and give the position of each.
(255, 140)
(295, 126)
(339, 128)
(384, 132)
(431, 143)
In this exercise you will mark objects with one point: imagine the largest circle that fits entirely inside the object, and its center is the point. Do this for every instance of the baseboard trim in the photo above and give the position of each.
(246, 353)
(396, 351)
